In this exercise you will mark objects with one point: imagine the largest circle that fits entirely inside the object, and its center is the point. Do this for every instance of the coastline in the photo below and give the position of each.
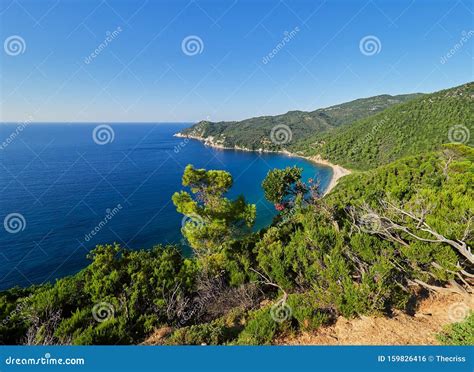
(337, 171)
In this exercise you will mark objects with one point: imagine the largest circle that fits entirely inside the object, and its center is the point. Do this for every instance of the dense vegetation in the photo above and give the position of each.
(460, 333)
(255, 133)
(361, 134)
(420, 125)
(369, 247)
(378, 242)
(117, 299)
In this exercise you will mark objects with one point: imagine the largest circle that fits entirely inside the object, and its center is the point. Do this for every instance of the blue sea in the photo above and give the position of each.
(61, 182)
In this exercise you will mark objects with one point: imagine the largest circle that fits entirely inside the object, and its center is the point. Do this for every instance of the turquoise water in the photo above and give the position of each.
(59, 185)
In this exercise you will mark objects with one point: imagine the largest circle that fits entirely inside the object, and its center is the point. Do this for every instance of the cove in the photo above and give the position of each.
(75, 192)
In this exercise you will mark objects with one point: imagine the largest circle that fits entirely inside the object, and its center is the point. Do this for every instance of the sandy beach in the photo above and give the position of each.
(338, 171)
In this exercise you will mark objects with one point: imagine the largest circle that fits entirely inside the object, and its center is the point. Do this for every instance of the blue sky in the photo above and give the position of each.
(143, 74)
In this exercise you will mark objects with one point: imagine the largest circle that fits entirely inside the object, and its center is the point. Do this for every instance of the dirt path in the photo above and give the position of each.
(421, 329)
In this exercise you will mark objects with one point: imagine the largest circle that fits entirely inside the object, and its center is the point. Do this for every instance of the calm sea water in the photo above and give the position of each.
(57, 185)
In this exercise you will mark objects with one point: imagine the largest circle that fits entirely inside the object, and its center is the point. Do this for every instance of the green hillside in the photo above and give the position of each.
(420, 125)
(321, 258)
(378, 243)
(255, 133)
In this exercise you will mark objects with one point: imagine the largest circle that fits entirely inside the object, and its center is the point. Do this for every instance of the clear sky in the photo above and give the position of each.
(241, 65)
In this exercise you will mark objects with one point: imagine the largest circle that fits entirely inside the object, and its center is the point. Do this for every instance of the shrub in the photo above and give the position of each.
(217, 332)
(305, 311)
(260, 328)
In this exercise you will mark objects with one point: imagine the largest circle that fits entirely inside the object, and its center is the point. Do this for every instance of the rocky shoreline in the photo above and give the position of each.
(338, 171)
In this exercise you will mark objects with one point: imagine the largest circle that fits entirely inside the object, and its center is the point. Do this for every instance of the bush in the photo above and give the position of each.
(218, 332)
(260, 328)
(305, 311)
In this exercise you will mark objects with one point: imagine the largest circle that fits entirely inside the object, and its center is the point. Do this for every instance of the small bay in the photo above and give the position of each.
(66, 185)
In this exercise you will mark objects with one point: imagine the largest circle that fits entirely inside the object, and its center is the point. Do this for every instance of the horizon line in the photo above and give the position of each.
(228, 120)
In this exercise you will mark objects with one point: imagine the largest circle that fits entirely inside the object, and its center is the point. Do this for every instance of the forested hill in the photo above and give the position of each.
(255, 133)
(420, 125)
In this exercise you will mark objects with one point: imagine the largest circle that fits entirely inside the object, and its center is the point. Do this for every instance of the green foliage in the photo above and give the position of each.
(299, 312)
(441, 184)
(305, 309)
(217, 332)
(12, 305)
(321, 261)
(354, 272)
(314, 254)
(239, 258)
(255, 133)
(260, 328)
(131, 288)
(419, 125)
(461, 333)
(280, 185)
(212, 221)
